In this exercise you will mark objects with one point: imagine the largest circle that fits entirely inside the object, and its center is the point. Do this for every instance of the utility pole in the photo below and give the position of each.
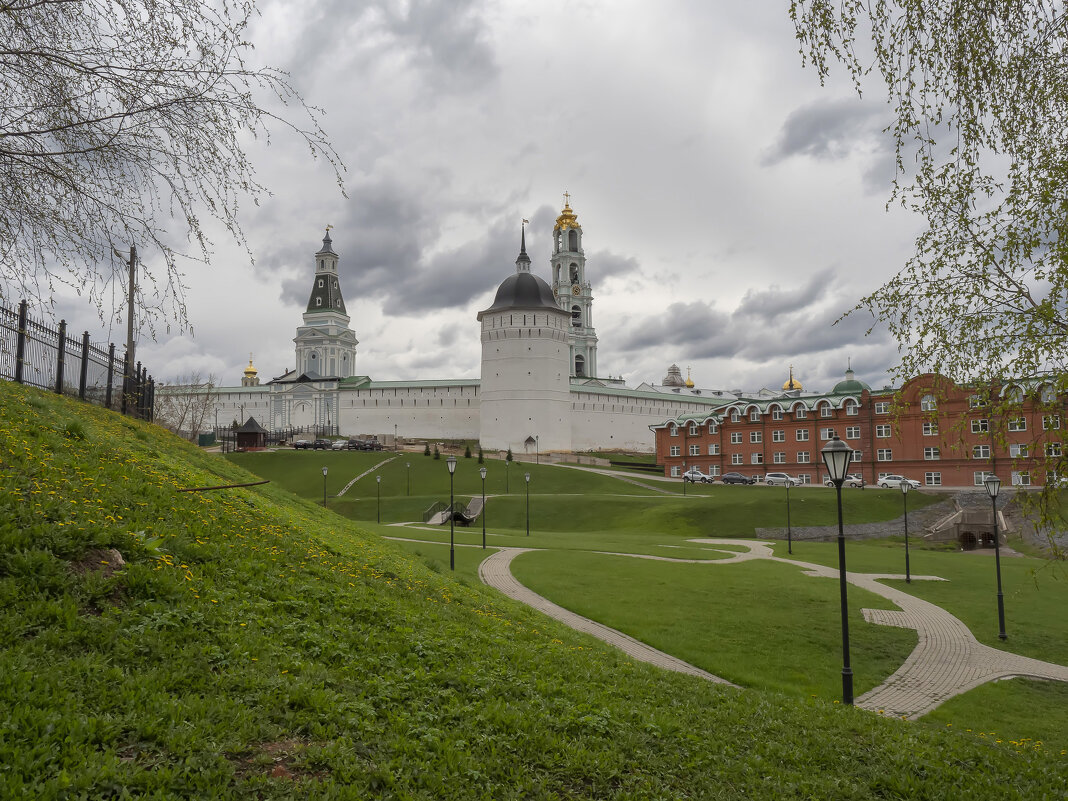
(128, 377)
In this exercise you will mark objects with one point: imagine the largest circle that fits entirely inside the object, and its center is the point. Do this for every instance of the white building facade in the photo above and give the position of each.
(538, 388)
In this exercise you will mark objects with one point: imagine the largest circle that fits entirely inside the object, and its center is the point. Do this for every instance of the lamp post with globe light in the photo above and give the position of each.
(527, 477)
(378, 481)
(905, 486)
(482, 472)
(837, 456)
(324, 487)
(993, 485)
(408, 475)
(451, 462)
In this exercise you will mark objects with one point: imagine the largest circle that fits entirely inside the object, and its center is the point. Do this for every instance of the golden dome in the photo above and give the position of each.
(689, 381)
(250, 371)
(567, 218)
(792, 383)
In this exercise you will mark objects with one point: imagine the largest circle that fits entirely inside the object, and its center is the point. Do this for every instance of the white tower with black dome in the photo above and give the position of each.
(573, 292)
(326, 346)
(525, 389)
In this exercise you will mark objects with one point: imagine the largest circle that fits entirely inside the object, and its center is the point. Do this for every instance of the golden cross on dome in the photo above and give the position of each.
(567, 198)
(328, 227)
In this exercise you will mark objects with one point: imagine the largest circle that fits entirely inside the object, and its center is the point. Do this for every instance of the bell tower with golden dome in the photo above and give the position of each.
(573, 292)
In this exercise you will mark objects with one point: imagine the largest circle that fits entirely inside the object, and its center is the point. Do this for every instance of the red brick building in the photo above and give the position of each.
(930, 429)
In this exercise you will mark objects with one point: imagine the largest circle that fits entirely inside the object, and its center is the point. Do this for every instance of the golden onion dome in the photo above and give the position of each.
(567, 218)
(689, 381)
(792, 383)
(250, 371)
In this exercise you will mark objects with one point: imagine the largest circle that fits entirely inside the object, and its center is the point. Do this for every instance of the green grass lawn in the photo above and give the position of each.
(779, 630)
(253, 645)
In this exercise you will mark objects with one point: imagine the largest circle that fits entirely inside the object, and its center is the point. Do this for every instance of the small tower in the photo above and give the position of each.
(326, 346)
(251, 378)
(573, 292)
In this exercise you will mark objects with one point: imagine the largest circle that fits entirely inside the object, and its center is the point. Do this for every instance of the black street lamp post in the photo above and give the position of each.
(905, 503)
(378, 481)
(789, 531)
(482, 472)
(837, 456)
(527, 477)
(507, 490)
(451, 462)
(324, 487)
(408, 474)
(993, 484)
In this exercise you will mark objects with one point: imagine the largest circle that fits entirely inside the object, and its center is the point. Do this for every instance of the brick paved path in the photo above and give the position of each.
(946, 661)
(495, 571)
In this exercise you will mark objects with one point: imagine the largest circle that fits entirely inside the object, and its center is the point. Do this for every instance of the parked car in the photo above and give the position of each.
(779, 480)
(886, 482)
(737, 478)
(302, 444)
(851, 480)
(339, 445)
(694, 475)
(322, 444)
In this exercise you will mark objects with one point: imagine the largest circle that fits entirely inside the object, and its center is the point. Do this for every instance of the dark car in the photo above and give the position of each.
(737, 478)
(302, 444)
(322, 444)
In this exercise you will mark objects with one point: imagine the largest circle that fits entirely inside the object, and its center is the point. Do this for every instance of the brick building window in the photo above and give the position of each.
(676, 450)
(802, 457)
(884, 455)
(756, 436)
(852, 432)
(882, 407)
(778, 436)
(930, 429)
(932, 479)
(1018, 424)
(980, 425)
(931, 454)
(736, 437)
(801, 435)
(980, 451)
(883, 431)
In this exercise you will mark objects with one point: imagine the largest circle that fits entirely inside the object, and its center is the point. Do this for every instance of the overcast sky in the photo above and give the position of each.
(732, 208)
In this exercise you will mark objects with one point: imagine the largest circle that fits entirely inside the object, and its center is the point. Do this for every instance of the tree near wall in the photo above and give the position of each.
(125, 121)
(184, 405)
(977, 96)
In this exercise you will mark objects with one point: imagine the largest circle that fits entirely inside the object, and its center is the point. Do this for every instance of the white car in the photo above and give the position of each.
(851, 480)
(339, 445)
(886, 482)
(779, 480)
(694, 475)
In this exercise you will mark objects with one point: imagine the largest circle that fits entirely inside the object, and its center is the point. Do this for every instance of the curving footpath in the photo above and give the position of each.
(495, 571)
(946, 661)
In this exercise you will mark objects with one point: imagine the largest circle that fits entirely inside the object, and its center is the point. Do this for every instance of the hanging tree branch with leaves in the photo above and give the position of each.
(124, 121)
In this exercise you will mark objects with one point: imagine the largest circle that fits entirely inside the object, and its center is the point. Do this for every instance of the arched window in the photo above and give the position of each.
(580, 365)
(735, 416)
(693, 429)
(572, 240)
(1015, 395)
(322, 264)
(318, 301)
(320, 284)
(1048, 394)
(928, 404)
(576, 316)
(673, 430)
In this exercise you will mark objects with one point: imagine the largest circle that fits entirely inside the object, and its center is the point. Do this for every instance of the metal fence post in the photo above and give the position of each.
(111, 375)
(85, 365)
(125, 382)
(61, 354)
(150, 405)
(20, 346)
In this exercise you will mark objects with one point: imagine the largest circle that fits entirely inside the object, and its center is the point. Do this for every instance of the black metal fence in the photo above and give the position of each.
(34, 353)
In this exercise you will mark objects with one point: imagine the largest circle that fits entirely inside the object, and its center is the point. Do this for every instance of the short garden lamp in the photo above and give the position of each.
(836, 457)
(993, 485)
(527, 477)
(451, 462)
(324, 486)
(482, 472)
(378, 481)
(905, 486)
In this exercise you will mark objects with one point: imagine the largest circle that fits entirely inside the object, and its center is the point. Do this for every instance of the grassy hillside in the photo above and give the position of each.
(254, 646)
(562, 499)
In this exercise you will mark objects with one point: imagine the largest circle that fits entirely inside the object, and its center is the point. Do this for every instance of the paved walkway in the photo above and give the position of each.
(496, 572)
(947, 660)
